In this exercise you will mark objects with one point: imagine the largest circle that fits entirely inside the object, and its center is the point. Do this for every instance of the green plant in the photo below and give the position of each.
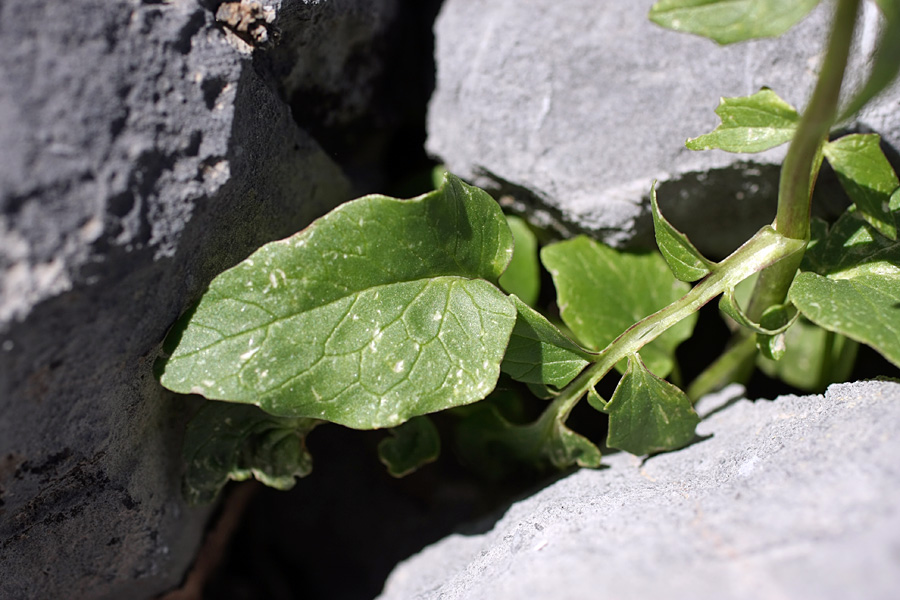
(386, 310)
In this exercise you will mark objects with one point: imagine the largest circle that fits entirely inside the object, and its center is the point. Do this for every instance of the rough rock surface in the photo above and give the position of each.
(143, 150)
(580, 106)
(794, 498)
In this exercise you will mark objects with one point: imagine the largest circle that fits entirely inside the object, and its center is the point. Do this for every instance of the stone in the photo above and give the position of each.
(576, 107)
(141, 153)
(794, 498)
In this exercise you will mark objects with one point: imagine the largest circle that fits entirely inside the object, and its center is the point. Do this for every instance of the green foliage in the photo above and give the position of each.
(685, 261)
(750, 124)
(386, 310)
(523, 275)
(227, 442)
(850, 284)
(601, 292)
(868, 178)
(539, 353)
(648, 414)
(729, 21)
(380, 311)
(411, 445)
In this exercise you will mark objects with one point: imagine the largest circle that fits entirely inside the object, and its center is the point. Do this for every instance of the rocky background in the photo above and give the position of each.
(147, 145)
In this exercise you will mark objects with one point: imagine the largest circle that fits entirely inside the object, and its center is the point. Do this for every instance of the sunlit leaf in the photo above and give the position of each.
(729, 21)
(539, 353)
(648, 414)
(410, 446)
(523, 276)
(867, 176)
(601, 292)
(750, 124)
(850, 284)
(380, 311)
(232, 442)
(683, 258)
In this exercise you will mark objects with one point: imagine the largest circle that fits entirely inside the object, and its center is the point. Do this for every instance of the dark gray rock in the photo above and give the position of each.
(576, 107)
(143, 149)
(791, 499)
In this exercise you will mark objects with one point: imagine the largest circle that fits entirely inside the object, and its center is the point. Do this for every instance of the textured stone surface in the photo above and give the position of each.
(141, 152)
(788, 499)
(580, 106)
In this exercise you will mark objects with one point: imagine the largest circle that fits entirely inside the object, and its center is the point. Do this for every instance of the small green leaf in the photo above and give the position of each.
(601, 292)
(813, 358)
(850, 284)
(729, 21)
(380, 311)
(235, 442)
(411, 446)
(488, 442)
(539, 353)
(523, 275)
(867, 176)
(685, 261)
(648, 414)
(750, 124)
(887, 59)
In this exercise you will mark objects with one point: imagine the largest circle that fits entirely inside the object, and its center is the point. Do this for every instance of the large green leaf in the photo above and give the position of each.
(410, 446)
(750, 124)
(227, 442)
(523, 276)
(728, 21)
(850, 284)
(378, 312)
(648, 414)
(685, 261)
(867, 176)
(539, 353)
(602, 292)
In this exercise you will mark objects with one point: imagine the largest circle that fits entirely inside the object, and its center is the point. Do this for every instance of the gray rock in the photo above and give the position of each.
(576, 107)
(143, 150)
(794, 498)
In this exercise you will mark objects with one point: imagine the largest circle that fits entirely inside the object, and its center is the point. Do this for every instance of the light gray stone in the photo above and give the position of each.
(142, 151)
(576, 107)
(790, 499)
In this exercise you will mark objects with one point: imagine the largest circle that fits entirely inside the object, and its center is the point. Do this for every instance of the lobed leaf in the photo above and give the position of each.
(539, 353)
(867, 177)
(685, 261)
(411, 446)
(380, 311)
(648, 414)
(850, 284)
(523, 276)
(729, 21)
(601, 292)
(231, 442)
(750, 124)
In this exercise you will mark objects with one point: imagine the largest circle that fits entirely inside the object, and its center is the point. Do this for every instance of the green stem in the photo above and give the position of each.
(798, 176)
(762, 250)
